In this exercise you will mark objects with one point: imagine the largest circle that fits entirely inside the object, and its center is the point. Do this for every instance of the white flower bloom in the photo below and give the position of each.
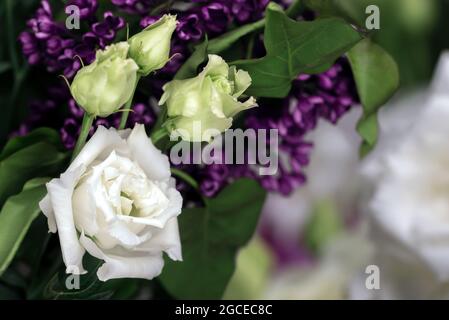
(118, 202)
(409, 175)
(330, 279)
(331, 176)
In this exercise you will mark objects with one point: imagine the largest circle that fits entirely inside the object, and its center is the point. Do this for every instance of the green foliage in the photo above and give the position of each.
(28, 157)
(323, 225)
(16, 217)
(295, 47)
(377, 78)
(190, 68)
(210, 239)
(64, 286)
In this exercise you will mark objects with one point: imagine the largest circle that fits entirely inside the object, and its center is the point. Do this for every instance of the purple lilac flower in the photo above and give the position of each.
(328, 96)
(136, 6)
(70, 130)
(51, 44)
(245, 11)
(87, 8)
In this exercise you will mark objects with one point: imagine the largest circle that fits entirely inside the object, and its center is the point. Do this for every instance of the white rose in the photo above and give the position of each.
(409, 175)
(118, 202)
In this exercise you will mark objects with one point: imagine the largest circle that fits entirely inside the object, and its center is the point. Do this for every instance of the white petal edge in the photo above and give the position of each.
(115, 267)
(60, 192)
(150, 159)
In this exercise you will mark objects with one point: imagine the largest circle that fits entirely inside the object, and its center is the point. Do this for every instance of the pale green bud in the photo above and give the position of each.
(105, 85)
(150, 48)
(209, 99)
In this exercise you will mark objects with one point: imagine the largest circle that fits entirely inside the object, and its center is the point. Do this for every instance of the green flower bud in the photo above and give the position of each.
(150, 48)
(209, 99)
(105, 85)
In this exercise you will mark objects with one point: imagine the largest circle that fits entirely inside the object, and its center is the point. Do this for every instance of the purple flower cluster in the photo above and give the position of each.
(139, 7)
(49, 43)
(72, 125)
(325, 96)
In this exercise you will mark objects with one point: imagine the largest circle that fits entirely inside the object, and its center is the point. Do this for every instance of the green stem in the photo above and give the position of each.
(295, 9)
(186, 177)
(11, 36)
(87, 123)
(157, 135)
(128, 106)
(225, 41)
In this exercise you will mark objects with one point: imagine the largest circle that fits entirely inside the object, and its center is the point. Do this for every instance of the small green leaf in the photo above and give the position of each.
(377, 79)
(210, 238)
(190, 67)
(295, 47)
(16, 217)
(4, 66)
(323, 225)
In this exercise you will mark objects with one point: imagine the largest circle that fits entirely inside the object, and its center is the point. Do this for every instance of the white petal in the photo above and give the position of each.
(102, 143)
(151, 160)
(144, 267)
(60, 192)
(84, 209)
(440, 81)
(159, 221)
(47, 210)
(166, 239)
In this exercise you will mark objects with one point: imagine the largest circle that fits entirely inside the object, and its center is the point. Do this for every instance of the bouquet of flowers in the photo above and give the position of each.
(157, 128)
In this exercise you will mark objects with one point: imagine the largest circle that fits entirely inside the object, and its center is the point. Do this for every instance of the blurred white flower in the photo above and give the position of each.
(331, 176)
(344, 257)
(408, 174)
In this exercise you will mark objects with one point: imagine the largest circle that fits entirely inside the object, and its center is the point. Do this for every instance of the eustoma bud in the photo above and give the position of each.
(105, 85)
(150, 48)
(208, 101)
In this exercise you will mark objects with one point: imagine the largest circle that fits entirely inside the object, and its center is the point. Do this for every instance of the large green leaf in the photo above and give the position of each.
(90, 287)
(377, 78)
(16, 217)
(295, 47)
(35, 160)
(210, 238)
(38, 135)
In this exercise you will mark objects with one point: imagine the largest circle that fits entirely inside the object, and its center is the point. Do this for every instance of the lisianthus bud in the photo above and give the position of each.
(150, 48)
(207, 102)
(105, 85)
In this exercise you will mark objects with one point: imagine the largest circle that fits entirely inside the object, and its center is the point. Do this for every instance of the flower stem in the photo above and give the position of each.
(294, 9)
(186, 177)
(128, 107)
(87, 123)
(157, 135)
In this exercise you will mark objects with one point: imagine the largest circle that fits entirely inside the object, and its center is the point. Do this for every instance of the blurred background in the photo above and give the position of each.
(359, 228)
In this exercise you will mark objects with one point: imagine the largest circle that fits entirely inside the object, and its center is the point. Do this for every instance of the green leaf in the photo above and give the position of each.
(35, 136)
(4, 66)
(36, 160)
(16, 217)
(295, 47)
(323, 225)
(90, 287)
(210, 238)
(377, 79)
(226, 40)
(190, 67)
